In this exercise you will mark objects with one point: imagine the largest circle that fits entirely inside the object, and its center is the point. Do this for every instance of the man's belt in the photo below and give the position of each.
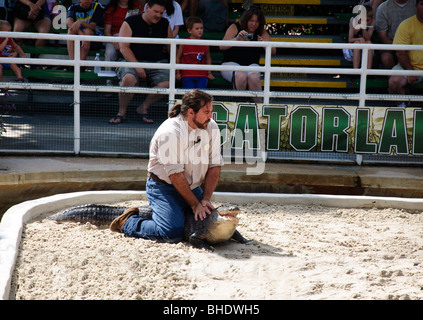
(155, 177)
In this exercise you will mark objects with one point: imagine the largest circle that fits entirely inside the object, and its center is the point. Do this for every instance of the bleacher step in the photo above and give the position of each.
(304, 20)
(305, 38)
(324, 82)
(288, 60)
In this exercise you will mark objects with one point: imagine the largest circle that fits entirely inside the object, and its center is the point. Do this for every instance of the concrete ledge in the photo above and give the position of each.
(13, 221)
(26, 178)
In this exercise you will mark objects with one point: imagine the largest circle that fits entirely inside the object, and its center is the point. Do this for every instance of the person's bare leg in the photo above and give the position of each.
(151, 98)
(42, 26)
(85, 47)
(128, 80)
(356, 58)
(387, 60)
(370, 57)
(255, 85)
(70, 45)
(397, 84)
(241, 80)
(16, 70)
(20, 25)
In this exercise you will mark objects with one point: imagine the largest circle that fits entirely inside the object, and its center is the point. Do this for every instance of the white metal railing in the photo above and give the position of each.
(267, 69)
(172, 91)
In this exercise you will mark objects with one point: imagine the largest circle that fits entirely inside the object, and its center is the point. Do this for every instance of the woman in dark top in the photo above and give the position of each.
(249, 28)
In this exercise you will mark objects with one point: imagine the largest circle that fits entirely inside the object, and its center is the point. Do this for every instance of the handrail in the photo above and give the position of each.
(172, 91)
(266, 68)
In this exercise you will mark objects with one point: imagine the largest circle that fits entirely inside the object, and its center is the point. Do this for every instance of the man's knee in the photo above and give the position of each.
(163, 84)
(129, 80)
(388, 60)
(172, 234)
(88, 32)
(396, 83)
(254, 77)
(241, 76)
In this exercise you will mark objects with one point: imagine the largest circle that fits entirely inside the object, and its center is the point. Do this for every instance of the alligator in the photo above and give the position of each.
(217, 227)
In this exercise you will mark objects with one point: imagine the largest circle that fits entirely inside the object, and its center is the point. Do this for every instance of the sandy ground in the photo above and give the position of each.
(298, 252)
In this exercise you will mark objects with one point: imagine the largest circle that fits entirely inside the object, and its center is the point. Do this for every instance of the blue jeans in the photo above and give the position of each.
(168, 208)
(194, 82)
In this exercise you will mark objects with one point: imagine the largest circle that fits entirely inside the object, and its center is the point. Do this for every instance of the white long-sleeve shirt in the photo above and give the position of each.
(176, 147)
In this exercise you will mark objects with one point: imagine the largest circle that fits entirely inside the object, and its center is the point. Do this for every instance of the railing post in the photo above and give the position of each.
(77, 97)
(267, 65)
(172, 77)
(363, 78)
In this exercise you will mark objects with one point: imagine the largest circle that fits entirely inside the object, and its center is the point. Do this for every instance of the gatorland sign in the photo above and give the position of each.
(347, 129)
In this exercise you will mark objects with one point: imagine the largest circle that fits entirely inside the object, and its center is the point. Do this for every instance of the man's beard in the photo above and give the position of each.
(201, 125)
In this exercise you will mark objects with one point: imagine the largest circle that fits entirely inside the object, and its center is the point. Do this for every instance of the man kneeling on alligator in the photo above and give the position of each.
(184, 154)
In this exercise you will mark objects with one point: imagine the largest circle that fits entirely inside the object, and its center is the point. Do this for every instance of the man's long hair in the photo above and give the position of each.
(194, 99)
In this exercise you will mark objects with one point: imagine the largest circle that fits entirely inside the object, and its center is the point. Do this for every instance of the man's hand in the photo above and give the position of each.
(34, 10)
(75, 27)
(202, 209)
(141, 73)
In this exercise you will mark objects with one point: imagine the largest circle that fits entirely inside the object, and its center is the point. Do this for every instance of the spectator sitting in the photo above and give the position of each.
(362, 33)
(409, 32)
(115, 13)
(9, 48)
(149, 24)
(177, 188)
(32, 12)
(84, 19)
(173, 14)
(249, 28)
(388, 17)
(194, 54)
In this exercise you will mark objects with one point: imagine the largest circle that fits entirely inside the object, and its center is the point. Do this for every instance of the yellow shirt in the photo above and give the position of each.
(410, 32)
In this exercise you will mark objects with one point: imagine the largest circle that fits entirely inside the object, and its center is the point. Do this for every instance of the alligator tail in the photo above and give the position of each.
(95, 214)
(100, 215)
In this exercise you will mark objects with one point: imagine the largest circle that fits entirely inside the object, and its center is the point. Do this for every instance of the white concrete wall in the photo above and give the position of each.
(14, 219)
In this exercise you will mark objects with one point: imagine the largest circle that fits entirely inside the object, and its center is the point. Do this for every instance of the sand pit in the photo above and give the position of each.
(298, 252)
